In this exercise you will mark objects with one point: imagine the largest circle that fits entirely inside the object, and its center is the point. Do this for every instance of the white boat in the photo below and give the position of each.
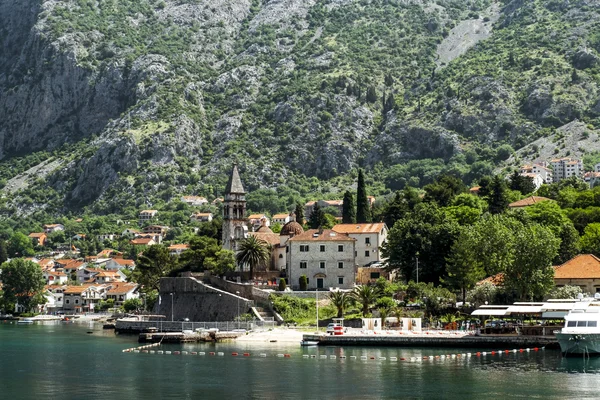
(581, 333)
(309, 343)
(26, 321)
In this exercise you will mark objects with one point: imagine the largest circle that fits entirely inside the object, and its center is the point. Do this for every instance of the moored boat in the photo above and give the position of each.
(309, 343)
(581, 332)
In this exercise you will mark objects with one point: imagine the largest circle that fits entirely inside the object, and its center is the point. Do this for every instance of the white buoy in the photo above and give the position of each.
(220, 354)
(393, 358)
(305, 356)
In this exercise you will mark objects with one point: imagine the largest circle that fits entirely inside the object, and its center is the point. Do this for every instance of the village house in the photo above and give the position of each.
(177, 249)
(258, 220)
(592, 178)
(143, 242)
(116, 264)
(201, 217)
(38, 238)
(54, 298)
(325, 257)
(582, 270)
(54, 277)
(108, 253)
(147, 215)
(107, 236)
(156, 230)
(280, 219)
(49, 228)
(538, 172)
(194, 201)
(131, 232)
(105, 276)
(79, 236)
(529, 201)
(121, 292)
(369, 239)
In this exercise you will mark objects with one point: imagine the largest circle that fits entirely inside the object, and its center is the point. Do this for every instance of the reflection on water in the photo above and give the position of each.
(64, 361)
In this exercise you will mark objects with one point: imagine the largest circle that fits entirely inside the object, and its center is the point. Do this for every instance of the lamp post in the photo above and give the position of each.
(238, 307)
(417, 258)
(171, 306)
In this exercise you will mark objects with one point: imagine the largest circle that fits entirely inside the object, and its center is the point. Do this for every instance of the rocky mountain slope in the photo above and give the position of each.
(127, 103)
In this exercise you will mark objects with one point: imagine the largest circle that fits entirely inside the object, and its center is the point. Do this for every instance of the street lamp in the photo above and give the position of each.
(417, 258)
(238, 306)
(171, 306)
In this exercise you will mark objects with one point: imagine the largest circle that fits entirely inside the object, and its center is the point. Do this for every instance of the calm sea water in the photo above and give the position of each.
(63, 361)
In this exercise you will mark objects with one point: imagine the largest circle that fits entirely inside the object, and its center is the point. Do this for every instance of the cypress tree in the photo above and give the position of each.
(363, 210)
(371, 94)
(3, 252)
(317, 218)
(348, 210)
(498, 198)
(299, 213)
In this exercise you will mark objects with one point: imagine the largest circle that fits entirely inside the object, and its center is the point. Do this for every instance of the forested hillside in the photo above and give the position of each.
(116, 105)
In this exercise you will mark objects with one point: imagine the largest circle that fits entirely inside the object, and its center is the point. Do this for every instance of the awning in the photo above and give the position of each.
(554, 314)
(524, 309)
(489, 311)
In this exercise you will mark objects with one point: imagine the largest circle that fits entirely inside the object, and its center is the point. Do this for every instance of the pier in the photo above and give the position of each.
(188, 337)
(434, 339)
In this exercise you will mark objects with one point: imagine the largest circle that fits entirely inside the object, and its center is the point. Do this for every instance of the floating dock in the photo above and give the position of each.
(433, 340)
(187, 337)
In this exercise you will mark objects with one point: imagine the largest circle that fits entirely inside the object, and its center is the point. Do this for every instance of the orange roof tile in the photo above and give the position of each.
(529, 201)
(271, 238)
(36, 234)
(359, 228)
(179, 247)
(583, 266)
(326, 235)
(496, 280)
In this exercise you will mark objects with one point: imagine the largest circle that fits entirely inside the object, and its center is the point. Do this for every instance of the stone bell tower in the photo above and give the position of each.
(235, 226)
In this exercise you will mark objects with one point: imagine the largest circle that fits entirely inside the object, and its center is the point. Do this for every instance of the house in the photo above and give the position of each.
(142, 242)
(177, 249)
(592, 178)
(370, 275)
(54, 298)
(49, 228)
(564, 168)
(529, 201)
(544, 173)
(156, 230)
(194, 200)
(369, 239)
(87, 274)
(79, 236)
(325, 257)
(105, 276)
(73, 298)
(121, 292)
(107, 236)
(130, 232)
(475, 190)
(107, 253)
(201, 217)
(115, 264)
(281, 219)
(582, 270)
(258, 220)
(54, 277)
(38, 238)
(147, 215)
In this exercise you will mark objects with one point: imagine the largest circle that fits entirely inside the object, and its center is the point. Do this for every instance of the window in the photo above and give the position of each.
(375, 275)
(571, 324)
(581, 324)
(367, 253)
(281, 256)
(340, 264)
(340, 280)
(303, 264)
(303, 248)
(322, 248)
(68, 301)
(340, 247)
(367, 240)
(76, 301)
(322, 264)
(592, 324)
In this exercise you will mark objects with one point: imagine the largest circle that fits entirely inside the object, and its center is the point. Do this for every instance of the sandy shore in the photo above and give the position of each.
(277, 335)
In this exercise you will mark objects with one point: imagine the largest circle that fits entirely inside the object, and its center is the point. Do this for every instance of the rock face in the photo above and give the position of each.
(158, 97)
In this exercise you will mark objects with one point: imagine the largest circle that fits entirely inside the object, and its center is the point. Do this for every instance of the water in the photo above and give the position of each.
(64, 361)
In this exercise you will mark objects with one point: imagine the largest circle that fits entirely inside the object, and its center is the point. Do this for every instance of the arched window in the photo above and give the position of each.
(281, 256)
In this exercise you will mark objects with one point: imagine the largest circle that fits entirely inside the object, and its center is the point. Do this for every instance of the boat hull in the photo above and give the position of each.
(579, 343)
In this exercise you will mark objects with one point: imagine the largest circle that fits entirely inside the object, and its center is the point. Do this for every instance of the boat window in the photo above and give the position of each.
(592, 324)
(581, 324)
(572, 323)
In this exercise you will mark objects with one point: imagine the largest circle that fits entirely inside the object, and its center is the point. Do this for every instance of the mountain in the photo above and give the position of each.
(112, 105)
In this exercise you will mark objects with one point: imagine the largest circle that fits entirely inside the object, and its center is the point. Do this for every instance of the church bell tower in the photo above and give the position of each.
(234, 212)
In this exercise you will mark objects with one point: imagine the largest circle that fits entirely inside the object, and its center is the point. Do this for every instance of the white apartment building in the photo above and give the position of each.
(326, 257)
(542, 171)
(564, 168)
(369, 239)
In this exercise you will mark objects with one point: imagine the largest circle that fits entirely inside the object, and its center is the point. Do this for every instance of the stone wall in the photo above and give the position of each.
(197, 301)
(246, 290)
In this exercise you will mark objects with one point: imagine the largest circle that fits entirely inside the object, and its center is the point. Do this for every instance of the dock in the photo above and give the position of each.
(433, 340)
(187, 337)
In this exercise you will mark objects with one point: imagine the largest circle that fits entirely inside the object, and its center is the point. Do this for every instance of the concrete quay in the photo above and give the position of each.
(434, 339)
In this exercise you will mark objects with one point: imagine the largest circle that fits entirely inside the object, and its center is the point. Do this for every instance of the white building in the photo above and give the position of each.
(325, 257)
(201, 217)
(194, 200)
(369, 239)
(116, 264)
(147, 215)
(564, 168)
(544, 172)
(49, 228)
(281, 219)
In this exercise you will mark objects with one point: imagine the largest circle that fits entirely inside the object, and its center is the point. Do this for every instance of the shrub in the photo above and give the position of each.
(282, 284)
(303, 283)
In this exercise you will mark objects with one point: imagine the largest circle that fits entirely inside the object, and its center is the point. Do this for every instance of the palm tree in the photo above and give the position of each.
(253, 252)
(366, 296)
(341, 300)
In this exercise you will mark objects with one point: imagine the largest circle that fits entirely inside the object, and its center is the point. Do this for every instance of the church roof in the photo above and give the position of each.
(235, 183)
(291, 228)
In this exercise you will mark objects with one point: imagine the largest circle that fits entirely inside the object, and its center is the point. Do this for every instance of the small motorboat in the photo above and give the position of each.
(309, 343)
(26, 321)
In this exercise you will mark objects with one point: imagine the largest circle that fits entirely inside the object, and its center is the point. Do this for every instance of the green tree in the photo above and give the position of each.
(22, 283)
(565, 292)
(569, 243)
(523, 184)
(404, 202)
(348, 210)
(253, 252)
(317, 217)
(464, 268)
(366, 296)
(282, 285)
(363, 208)
(443, 190)
(20, 245)
(531, 275)
(299, 213)
(590, 241)
(132, 305)
(205, 254)
(498, 197)
(154, 263)
(3, 251)
(480, 294)
(303, 283)
(340, 300)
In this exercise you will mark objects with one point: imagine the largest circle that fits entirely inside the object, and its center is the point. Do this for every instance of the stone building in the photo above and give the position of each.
(235, 223)
(326, 258)
(369, 239)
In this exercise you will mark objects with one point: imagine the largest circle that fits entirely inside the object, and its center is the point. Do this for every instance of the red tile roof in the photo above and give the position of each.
(529, 201)
(326, 235)
(359, 228)
(583, 266)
